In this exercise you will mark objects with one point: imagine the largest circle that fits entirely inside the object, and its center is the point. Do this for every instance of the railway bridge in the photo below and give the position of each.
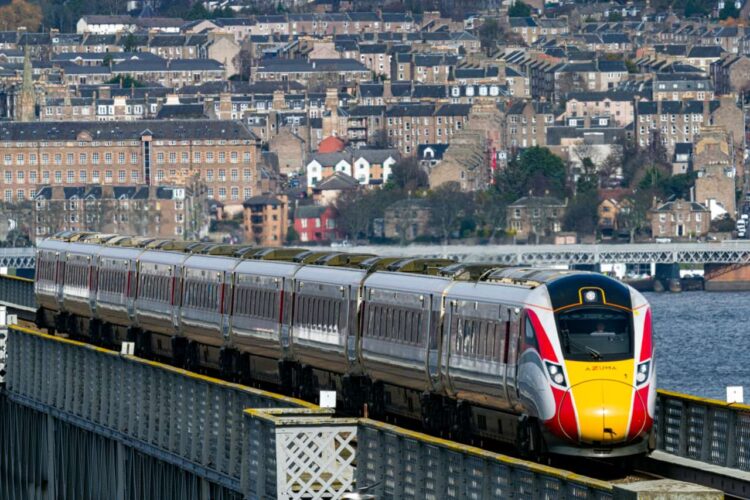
(78, 421)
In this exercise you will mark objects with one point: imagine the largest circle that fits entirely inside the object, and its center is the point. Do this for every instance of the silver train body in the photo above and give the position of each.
(479, 354)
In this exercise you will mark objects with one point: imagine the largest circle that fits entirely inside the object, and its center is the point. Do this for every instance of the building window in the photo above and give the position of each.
(45, 177)
(234, 156)
(222, 157)
(222, 175)
(248, 192)
(209, 157)
(19, 159)
(184, 157)
(107, 176)
(222, 193)
(210, 175)
(235, 175)
(20, 177)
(235, 193)
(246, 157)
(58, 176)
(58, 159)
(95, 176)
(82, 175)
(32, 177)
(81, 158)
(69, 159)
(160, 158)
(121, 176)
(121, 158)
(95, 158)
(172, 157)
(71, 176)
(160, 175)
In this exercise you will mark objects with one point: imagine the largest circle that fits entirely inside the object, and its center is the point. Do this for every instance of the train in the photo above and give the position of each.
(549, 361)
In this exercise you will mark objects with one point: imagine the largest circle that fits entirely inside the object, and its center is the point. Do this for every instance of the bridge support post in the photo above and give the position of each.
(51, 460)
(667, 277)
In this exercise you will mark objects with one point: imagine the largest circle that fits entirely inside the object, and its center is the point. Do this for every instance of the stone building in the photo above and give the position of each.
(266, 221)
(714, 165)
(535, 217)
(680, 219)
(158, 211)
(407, 220)
(221, 155)
(290, 149)
(731, 74)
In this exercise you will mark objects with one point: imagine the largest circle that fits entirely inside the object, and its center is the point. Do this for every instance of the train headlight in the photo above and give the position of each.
(556, 374)
(641, 375)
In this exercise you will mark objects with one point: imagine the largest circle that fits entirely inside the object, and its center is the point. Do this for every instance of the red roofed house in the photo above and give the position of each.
(331, 145)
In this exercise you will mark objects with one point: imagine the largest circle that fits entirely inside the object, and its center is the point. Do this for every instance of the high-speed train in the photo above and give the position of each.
(551, 361)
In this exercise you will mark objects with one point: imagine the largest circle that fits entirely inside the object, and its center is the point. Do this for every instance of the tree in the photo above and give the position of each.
(448, 207)
(519, 9)
(490, 211)
(581, 215)
(729, 10)
(537, 170)
(20, 13)
(129, 44)
(408, 175)
(489, 34)
(125, 81)
(196, 12)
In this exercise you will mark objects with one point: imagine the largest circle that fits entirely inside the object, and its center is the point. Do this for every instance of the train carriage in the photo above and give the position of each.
(400, 324)
(325, 316)
(116, 285)
(157, 305)
(204, 311)
(262, 306)
(480, 343)
(50, 267)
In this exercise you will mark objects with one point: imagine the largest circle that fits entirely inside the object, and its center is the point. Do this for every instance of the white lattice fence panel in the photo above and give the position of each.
(315, 462)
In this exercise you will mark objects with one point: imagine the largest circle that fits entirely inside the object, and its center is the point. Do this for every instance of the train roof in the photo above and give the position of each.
(162, 257)
(488, 292)
(280, 269)
(527, 276)
(211, 263)
(332, 275)
(407, 282)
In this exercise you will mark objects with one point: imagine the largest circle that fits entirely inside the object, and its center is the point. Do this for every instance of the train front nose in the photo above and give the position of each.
(603, 409)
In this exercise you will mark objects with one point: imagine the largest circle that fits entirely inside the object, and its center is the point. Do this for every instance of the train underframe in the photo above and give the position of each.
(437, 414)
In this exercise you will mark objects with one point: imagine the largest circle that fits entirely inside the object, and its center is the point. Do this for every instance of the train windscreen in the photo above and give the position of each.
(595, 334)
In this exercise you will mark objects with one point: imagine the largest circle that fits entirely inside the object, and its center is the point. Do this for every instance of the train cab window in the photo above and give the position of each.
(595, 334)
(529, 335)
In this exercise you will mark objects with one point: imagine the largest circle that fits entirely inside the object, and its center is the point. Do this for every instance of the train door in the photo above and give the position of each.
(512, 353)
(450, 310)
(225, 302)
(131, 286)
(59, 278)
(433, 343)
(175, 299)
(352, 302)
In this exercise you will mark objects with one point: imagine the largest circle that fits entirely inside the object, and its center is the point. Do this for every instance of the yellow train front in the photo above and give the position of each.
(586, 367)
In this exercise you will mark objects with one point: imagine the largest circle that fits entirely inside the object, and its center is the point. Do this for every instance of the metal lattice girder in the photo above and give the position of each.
(729, 252)
(18, 258)
(184, 419)
(400, 464)
(706, 430)
(300, 453)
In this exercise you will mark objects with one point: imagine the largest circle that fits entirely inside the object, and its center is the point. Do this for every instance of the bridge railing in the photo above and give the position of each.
(179, 417)
(399, 463)
(701, 429)
(17, 293)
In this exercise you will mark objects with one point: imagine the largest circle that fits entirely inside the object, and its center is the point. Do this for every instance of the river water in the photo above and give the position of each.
(702, 341)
